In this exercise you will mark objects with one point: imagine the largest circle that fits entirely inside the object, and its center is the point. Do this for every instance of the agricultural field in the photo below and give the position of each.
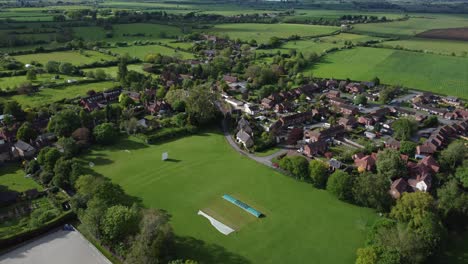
(354, 38)
(310, 221)
(50, 95)
(13, 177)
(128, 32)
(439, 46)
(435, 73)
(414, 25)
(74, 57)
(9, 83)
(141, 51)
(304, 15)
(263, 32)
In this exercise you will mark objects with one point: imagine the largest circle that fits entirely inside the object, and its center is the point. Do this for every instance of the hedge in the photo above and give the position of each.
(170, 133)
(16, 239)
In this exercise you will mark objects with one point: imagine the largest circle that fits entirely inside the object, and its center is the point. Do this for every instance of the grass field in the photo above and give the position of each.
(303, 15)
(12, 176)
(74, 57)
(436, 73)
(263, 32)
(141, 51)
(299, 218)
(8, 83)
(112, 71)
(414, 25)
(49, 95)
(460, 48)
(129, 32)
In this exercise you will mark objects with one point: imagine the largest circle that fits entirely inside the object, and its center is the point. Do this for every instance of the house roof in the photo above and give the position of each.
(243, 136)
(24, 146)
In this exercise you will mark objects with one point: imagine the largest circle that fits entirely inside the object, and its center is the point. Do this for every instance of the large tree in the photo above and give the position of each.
(408, 148)
(13, 108)
(371, 190)
(318, 173)
(64, 123)
(296, 165)
(340, 184)
(26, 132)
(453, 200)
(390, 164)
(453, 155)
(404, 128)
(105, 133)
(118, 223)
(201, 105)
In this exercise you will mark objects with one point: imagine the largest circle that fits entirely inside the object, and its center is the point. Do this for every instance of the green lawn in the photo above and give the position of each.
(299, 218)
(141, 51)
(436, 73)
(12, 176)
(263, 32)
(112, 71)
(446, 47)
(50, 95)
(74, 57)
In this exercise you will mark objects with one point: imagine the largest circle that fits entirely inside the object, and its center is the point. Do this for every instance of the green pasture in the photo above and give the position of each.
(302, 15)
(74, 57)
(299, 218)
(263, 32)
(13, 177)
(141, 51)
(342, 37)
(439, 46)
(50, 95)
(129, 32)
(8, 83)
(416, 24)
(112, 71)
(435, 73)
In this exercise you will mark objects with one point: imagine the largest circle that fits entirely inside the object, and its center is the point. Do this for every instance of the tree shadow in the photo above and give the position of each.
(192, 248)
(127, 144)
(173, 160)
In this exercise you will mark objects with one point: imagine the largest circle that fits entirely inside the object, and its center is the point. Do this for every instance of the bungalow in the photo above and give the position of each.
(244, 138)
(23, 149)
(398, 187)
(315, 148)
(429, 109)
(451, 100)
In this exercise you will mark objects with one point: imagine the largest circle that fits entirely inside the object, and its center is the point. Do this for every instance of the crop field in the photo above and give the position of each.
(129, 32)
(310, 221)
(414, 25)
(8, 83)
(439, 46)
(74, 57)
(304, 15)
(50, 95)
(141, 51)
(435, 73)
(448, 33)
(263, 32)
(13, 177)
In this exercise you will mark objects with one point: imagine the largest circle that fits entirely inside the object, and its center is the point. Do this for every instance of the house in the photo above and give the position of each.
(282, 107)
(331, 84)
(250, 109)
(297, 118)
(315, 148)
(99, 100)
(365, 163)
(326, 134)
(348, 110)
(355, 88)
(24, 150)
(158, 107)
(451, 100)
(333, 94)
(392, 143)
(230, 79)
(366, 120)
(348, 122)
(421, 182)
(430, 163)
(379, 114)
(398, 187)
(234, 102)
(244, 138)
(44, 140)
(268, 103)
(337, 101)
(335, 164)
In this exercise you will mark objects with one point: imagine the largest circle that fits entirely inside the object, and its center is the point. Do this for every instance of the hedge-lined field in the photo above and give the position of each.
(263, 32)
(299, 217)
(74, 57)
(440, 46)
(141, 51)
(436, 73)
